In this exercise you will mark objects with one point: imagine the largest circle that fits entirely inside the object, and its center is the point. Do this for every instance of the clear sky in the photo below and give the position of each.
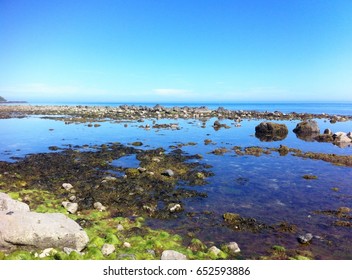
(180, 50)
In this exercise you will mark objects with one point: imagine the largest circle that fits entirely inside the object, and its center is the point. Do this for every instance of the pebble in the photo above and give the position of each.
(216, 251)
(67, 186)
(306, 238)
(174, 207)
(107, 249)
(99, 206)
(233, 247)
(127, 245)
(168, 172)
(70, 207)
(172, 255)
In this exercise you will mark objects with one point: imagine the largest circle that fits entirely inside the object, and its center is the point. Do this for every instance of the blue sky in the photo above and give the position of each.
(164, 51)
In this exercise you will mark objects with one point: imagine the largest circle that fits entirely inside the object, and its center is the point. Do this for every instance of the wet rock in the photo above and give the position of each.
(232, 247)
(7, 204)
(308, 127)
(305, 238)
(174, 207)
(207, 141)
(283, 150)
(310, 177)
(168, 173)
(217, 125)
(137, 144)
(269, 131)
(71, 207)
(172, 255)
(40, 230)
(328, 131)
(67, 186)
(231, 217)
(108, 249)
(219, 151)
(341, 137)
(344, 210)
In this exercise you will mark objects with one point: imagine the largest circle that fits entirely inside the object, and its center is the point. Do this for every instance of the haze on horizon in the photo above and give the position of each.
(175, 51)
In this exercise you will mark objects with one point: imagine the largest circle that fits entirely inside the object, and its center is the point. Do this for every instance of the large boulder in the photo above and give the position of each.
(308, 127)
(40, 230)
(269, 131)
(9, 204)
(20, 227)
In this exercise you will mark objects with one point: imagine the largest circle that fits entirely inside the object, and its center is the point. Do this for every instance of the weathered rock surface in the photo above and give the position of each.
(232, 247)
(20, 227)
(71, 207)
(269, 131)
(9, 204)
(40, 230)
(172, 255)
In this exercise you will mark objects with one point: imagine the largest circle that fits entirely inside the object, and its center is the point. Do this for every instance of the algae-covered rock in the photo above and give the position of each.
(307, 128)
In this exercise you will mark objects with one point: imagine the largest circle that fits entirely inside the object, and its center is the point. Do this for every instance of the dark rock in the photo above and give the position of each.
(269, 131)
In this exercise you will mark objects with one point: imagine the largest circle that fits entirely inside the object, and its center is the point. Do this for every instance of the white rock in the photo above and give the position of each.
(127, 245)
(216, 251)
(99, 206)
(174, 207)
(67, 186)
(172, 255)
(46, 252)
(41, 230)
(70, 206)
(8, 204)
(107, 249)
(120, 227)
(233, 247)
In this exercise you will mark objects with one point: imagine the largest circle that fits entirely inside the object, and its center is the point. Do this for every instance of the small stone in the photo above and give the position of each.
(305, 239)
(174, 207)
(46, 252)
(68, 250)
(67, 186)
(168, 173)
(70, 207)
(99, 206)
(107, 249)
(127, 245)
(172, 255)
(72, 198)
(233, 247)
(328, 131)
(120, 227)
(214, 250)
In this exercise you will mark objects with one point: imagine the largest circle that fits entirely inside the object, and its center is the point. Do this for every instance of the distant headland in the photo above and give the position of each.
(3, 100)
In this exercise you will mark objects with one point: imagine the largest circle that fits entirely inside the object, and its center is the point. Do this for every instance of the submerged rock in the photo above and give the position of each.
(305, 238)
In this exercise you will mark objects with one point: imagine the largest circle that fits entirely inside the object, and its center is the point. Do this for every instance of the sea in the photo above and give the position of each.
(268, 188)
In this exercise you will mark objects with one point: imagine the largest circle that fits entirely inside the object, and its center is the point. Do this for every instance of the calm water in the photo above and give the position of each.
(269, 188)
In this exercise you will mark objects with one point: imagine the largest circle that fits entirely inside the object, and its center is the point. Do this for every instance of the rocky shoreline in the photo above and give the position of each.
(132, 112)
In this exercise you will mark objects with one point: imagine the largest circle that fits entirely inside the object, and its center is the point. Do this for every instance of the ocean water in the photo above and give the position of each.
(269, 188)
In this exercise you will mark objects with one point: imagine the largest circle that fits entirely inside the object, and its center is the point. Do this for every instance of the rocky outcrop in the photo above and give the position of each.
(269, 131)
(20, 227)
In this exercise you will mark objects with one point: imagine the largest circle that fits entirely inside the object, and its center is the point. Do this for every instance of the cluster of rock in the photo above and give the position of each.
(307, 130)
(21, 227)
(132, 112)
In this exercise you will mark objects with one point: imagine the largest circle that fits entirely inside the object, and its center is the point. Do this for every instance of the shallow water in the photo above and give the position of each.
(269, 188)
